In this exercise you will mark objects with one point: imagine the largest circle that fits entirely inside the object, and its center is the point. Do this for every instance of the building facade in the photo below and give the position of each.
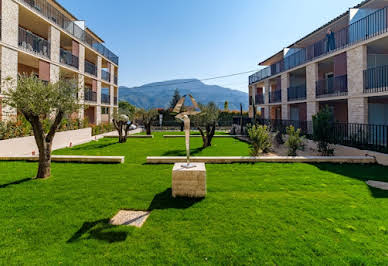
(41, 37)
(342, 65)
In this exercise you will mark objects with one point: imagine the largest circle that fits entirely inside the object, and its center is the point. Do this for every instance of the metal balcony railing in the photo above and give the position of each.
(363, 29)
(105, 75)
(115, 100)
(90, 96)
(90, 68)
(105, 98)
(297, 93)
(275, 96)
(116, 80)
(259, 98)
(331, 87)
(68, 58)
(51, 13)
(376, 79)
(33, 43)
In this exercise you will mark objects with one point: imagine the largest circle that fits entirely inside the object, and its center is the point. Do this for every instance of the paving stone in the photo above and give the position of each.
(130, 218)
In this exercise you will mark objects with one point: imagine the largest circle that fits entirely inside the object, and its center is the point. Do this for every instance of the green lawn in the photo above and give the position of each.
(254, 213)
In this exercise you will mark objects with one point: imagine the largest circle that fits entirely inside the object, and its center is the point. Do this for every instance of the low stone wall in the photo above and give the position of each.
(27, 145)
(266, 159)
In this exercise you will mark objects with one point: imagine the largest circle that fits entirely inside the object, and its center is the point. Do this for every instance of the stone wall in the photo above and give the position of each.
(27, 145)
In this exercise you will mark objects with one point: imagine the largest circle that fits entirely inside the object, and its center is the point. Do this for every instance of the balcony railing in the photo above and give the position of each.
(115, 100)
(116, 80)
(90, 68)
(105, 75)
(363, 29)
(68, 58)
(33, 43)
(297, 93)
(376, 79)
(105, 98)
(90, 96)
(54, 15)
(331, 87)
(259, 98)
(275, 96)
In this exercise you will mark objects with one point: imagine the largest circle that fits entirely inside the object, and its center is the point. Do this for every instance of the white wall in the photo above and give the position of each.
(26, 145)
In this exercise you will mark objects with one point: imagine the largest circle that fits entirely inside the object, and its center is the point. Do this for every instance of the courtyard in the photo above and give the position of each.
(253, 214)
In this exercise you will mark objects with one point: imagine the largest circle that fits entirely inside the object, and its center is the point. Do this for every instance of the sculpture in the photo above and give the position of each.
(183, 115)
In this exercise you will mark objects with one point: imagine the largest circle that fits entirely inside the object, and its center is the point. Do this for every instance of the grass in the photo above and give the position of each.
(254, 213)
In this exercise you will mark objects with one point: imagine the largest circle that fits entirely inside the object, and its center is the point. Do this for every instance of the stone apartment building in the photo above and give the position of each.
(343, 65)
(41, 37)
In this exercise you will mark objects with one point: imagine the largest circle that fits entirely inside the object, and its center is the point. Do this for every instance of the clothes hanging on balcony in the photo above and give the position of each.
(330, 38)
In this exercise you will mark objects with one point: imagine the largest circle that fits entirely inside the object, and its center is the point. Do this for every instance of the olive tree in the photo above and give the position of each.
(42, 104)
(122, 121)
(206, 122)
(146, 117)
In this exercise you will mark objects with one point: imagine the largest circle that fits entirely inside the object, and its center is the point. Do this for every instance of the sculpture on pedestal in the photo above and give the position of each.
(183, 115)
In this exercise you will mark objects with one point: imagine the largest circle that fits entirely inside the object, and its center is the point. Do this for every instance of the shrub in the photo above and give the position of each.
(322, 131)
(261, 139)
(294, 141)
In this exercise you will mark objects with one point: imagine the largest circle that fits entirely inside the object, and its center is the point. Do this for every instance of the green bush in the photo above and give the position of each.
(322, 131)
(261, 139)
(294, 141)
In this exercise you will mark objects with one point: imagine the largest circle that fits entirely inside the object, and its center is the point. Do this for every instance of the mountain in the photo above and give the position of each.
(158, 95)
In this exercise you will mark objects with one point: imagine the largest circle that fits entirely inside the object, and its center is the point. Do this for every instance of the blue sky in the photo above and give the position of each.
(159, 40)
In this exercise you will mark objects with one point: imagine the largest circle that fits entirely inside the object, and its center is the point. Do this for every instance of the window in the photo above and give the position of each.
(104, 110)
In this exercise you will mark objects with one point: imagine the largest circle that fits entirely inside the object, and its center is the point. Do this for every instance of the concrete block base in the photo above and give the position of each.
(189, 182)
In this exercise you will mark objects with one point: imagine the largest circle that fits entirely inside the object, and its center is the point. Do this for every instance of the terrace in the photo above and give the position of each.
(54, 15)
(360, 30)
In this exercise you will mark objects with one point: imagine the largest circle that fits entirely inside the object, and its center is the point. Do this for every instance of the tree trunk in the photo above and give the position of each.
(44, 169)
(204, 139)
(148, 128)
(43, 142)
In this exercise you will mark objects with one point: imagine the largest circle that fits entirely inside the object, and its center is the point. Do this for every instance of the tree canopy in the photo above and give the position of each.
(44, 105)
(175, 98)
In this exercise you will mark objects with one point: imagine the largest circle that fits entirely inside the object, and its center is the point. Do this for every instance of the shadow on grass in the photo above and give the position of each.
(360, 172)
(164, 200)
(100, 230)
(182, 152)
(21, 181)
(94, 146)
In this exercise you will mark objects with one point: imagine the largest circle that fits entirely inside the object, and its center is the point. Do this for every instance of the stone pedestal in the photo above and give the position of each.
(189, 182)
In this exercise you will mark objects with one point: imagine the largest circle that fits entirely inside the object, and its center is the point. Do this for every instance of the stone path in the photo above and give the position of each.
(130, 218)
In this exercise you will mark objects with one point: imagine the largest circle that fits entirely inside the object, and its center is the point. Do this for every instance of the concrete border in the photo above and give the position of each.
(131, 136)
(199, 136)
(269, 159)
(69, 159)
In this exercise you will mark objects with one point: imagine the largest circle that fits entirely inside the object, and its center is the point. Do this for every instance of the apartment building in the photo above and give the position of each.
(41, 37)
(343, 65)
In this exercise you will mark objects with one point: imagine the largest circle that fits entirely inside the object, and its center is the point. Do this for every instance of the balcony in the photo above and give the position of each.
(332, 87)
(51, 13)
(105, 75)
(31, 42)
(105, 98)
(68, 58)
(361, 30)
(297, 93)
(90, 68)
(275, 96)
(90, 96)
(259, 98)
(116, 80)
(115, 101)
(376, 79)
